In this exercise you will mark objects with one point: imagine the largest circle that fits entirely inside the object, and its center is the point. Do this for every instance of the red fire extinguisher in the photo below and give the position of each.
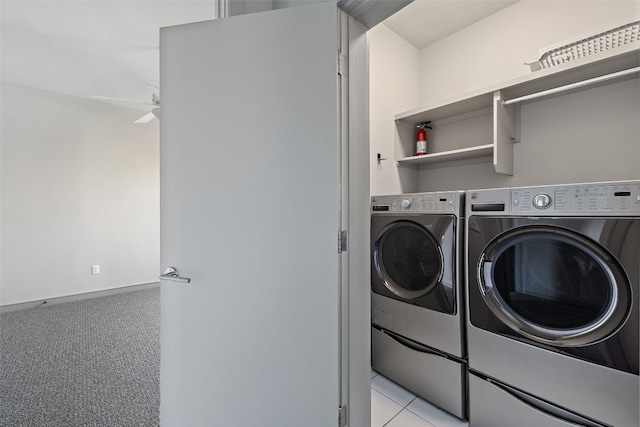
(421, 139)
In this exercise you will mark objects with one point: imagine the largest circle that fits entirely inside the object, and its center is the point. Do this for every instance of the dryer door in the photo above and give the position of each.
(408, 259)
(553, 285)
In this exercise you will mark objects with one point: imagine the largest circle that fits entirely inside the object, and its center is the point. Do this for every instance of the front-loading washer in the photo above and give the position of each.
(417, 304)
(553, 312)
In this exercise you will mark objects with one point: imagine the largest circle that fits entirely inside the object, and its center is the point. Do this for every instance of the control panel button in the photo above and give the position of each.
(541, 201)
(406, 203)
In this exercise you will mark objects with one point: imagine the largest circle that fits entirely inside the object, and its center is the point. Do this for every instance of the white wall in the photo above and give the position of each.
(394, 78)
(588, 136)
(496, 48)
(584, 137)
(80, 186)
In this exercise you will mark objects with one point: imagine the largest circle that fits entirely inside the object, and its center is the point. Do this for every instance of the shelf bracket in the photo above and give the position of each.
(507, 117)
(504, 134)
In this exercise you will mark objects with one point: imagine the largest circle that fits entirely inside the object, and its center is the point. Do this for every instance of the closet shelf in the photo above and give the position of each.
(577, 85)
(486, 119)
(450, 156)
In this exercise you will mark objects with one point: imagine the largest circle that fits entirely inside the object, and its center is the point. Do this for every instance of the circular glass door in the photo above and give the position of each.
(408, 259)
(554, 286)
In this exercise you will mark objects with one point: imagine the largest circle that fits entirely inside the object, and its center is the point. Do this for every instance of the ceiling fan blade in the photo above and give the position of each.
(146, 118)
(109, 98)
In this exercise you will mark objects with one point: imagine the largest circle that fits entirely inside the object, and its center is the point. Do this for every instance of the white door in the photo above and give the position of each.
(250, 213)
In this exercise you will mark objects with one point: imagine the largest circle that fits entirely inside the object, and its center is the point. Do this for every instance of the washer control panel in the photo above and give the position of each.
(606, 198)
(435, 202)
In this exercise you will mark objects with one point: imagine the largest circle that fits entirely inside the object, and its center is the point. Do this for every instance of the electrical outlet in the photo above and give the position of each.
(95, 269)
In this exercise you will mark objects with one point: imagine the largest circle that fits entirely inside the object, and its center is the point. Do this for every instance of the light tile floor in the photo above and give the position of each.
(394, 406)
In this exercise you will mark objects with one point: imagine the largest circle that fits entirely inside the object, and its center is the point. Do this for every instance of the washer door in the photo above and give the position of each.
(554, 286)
(408, 259)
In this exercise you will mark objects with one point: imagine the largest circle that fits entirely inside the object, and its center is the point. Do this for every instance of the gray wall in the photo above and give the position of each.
(80, 186)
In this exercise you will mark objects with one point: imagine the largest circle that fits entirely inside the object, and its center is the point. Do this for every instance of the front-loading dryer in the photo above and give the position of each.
(417, 304)
(553, 312)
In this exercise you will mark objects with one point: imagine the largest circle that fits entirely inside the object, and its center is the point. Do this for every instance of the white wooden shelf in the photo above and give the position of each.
(450, 156)
(480, 125)
(471, 128)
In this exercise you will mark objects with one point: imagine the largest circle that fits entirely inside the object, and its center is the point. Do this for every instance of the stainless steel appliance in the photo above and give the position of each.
(416, 300)
(553, 284)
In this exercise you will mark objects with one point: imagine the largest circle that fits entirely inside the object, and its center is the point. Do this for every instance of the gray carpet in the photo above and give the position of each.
(94, 362)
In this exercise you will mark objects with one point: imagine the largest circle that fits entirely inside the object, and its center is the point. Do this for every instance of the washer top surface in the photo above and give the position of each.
(419, 203)
(592, 199)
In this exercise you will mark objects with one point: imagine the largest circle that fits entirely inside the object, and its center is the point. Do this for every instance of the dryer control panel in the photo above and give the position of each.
(620, 198)
(436, 202)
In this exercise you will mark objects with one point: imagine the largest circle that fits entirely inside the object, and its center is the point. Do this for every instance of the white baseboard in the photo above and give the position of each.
(77, 297)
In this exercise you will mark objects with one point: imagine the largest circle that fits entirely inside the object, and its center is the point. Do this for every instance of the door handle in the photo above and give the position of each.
(170, 274)
(486, 275)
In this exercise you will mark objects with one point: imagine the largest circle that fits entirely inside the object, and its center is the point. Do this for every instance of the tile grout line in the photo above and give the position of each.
(394, 400)
(405, 407)
(417, 415)
(392, 418)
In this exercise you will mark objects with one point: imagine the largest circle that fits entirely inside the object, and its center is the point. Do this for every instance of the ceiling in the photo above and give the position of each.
(90, 47)
(426, 21)
(111, 48)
